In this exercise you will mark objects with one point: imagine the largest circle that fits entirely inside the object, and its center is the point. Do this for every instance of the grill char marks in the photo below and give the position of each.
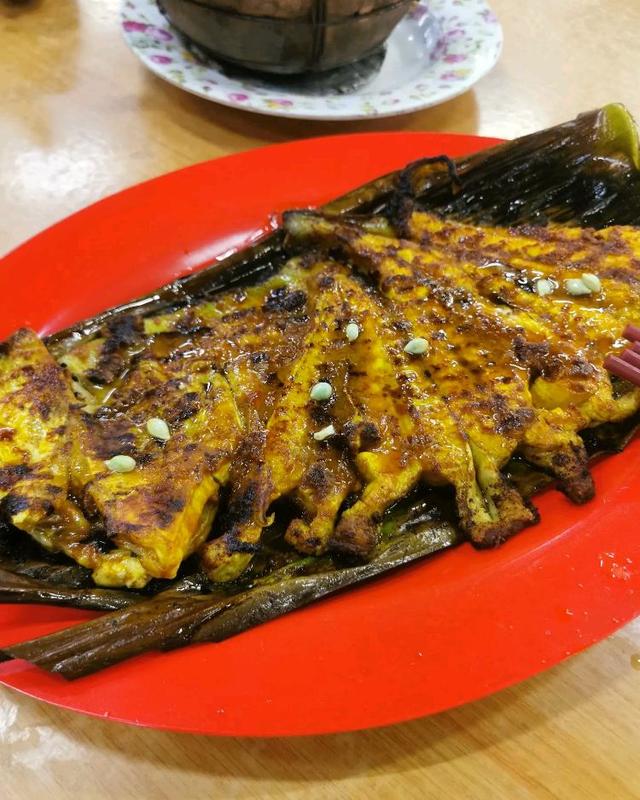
(121, 335)
(505, 371)
(288, 460)
(206, 371)
(522, 376)
(35, 409)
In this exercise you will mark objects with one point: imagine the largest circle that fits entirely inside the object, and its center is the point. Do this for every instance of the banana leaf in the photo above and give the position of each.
(16, 588)
(586, 171)
(583, 172)
(193, 611)
(172, 619)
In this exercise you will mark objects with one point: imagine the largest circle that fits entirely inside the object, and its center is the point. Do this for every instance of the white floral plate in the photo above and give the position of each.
(438, 51)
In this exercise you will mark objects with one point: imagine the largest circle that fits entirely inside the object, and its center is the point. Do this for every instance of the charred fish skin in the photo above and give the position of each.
(571, 390)
(35, 407)
(415, 277)
(162, 509)
(491, 414)
(112, 502)
(148, 519)
(204, 373)
(561, 338)
(402, 433)
(395, 427)
(290, 460)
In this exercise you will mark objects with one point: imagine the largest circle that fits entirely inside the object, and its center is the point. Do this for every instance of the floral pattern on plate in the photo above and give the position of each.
(438, 51)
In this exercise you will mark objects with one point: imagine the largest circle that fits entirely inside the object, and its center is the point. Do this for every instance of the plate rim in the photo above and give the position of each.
(321, 116)
(527, 547)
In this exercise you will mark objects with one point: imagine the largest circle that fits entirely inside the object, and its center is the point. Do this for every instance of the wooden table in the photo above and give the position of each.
(80, 118)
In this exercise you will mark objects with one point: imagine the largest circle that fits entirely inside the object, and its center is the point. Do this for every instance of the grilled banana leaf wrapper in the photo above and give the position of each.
(584, 172)
(16, 588)
(193, 610)
(207, 613)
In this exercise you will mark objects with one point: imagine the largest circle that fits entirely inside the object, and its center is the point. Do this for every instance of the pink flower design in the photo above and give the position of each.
(161, 59)
(130, 25)
(239, 97)
(453, 58)
(159, 34)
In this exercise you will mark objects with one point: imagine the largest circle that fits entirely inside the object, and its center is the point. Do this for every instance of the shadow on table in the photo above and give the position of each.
(396, 749)
(14, 8)
(204, 118)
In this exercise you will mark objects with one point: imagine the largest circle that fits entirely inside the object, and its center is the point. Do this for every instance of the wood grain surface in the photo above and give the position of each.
(79, 119)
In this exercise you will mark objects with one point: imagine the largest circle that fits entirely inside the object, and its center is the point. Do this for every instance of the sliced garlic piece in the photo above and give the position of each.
(544, 286)
(121, 463)
(417, 346)
(352, 331)
(325, 433)
(576, 287)
(591, 281)
(321, 391)
(159, 429)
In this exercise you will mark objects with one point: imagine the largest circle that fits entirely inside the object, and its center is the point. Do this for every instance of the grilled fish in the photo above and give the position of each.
(382, 413)
(515, 378)
(179, 367)
(507, 263)
(501, 369)
(35, 446)
(284, 458)
(127, 527)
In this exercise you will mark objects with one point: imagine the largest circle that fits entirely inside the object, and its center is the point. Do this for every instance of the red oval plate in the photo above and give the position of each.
(434, 635)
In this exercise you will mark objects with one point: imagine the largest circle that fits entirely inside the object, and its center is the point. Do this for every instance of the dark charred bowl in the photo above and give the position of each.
(313, 43)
